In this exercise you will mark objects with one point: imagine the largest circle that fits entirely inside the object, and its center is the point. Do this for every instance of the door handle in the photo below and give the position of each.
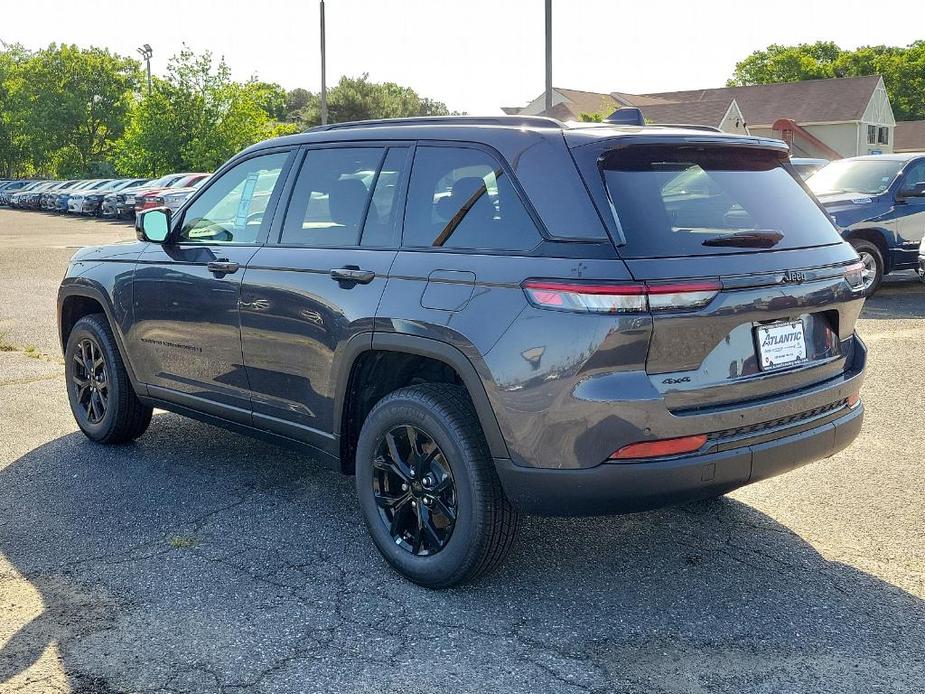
(222, 266)
(352, 274)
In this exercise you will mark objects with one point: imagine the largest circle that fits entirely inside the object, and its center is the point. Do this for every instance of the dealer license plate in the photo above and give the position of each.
(780, 345)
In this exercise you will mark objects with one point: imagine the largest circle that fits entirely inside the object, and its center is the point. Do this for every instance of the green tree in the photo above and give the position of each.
(902, 69)
(357, 98)
(296, 100)
(79, 102)
(197, 117)
(14, 142)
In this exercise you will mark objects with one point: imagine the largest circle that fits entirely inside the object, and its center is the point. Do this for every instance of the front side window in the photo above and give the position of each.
(915, 175)
(231, 210)
(462, 198)
(331, 195)
(865, 176)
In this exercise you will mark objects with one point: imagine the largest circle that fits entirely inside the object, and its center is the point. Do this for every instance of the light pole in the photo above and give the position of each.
(146, 52)
(324, 87)
(548, 56)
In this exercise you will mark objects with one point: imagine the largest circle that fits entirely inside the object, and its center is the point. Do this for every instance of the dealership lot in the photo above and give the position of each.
(199, 560)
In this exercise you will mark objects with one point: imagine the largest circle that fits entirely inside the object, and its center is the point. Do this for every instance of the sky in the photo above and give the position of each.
(475, 56)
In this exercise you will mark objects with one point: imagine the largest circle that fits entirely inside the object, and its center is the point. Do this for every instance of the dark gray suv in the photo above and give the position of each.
(479, 317)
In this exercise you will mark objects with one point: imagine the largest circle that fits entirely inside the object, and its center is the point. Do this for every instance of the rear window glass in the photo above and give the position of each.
(679, 201)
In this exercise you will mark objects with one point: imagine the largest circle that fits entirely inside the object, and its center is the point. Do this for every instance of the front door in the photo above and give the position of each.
(911, 218)
(186, 337)
(318, 283)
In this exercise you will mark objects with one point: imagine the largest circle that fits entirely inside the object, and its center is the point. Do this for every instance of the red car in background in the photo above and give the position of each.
(152, 196)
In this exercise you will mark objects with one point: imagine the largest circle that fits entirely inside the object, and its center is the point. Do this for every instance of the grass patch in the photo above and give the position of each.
(33, 351)
(181, 542)
(6, 345)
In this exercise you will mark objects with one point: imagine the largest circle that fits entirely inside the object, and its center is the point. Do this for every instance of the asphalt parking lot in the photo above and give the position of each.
(196, 560)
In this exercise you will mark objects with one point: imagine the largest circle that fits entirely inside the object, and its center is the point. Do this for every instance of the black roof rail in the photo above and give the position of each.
(514, 121)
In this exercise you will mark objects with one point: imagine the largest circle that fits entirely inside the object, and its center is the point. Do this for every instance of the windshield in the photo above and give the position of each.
(864, 176)
(696, 200)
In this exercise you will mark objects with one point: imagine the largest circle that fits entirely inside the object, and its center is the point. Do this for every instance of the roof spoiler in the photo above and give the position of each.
(630, 115)
(626, 115)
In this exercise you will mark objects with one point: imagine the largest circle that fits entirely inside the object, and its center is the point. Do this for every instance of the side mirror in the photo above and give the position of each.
(153, 225)
(916, 191)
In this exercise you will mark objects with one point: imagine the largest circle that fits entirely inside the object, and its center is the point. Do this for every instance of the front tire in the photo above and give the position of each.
(98, 387)
(428, 489)
(873, 264)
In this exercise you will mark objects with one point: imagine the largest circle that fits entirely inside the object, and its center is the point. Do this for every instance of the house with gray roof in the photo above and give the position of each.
(830, 119)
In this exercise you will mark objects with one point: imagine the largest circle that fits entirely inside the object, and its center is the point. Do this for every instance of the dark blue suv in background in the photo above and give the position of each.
(484, 316)
(878, 203)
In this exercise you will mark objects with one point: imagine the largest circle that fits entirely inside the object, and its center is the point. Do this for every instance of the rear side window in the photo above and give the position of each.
(330, 197)
(462, 198)
(677, 201)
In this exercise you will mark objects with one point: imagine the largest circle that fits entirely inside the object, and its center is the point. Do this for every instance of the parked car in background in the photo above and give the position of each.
(477, 317)
(93, 199)
(878, 203)
(30, 199)
(154, 198)
(7, 190)
(172, 198)
(23, 198)
(48, 196)
(61, 199)
(76, 200)
(125, 199)
(807, 167)
(108, 207)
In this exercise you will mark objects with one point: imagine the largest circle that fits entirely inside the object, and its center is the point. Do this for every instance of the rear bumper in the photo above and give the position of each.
(612, 488)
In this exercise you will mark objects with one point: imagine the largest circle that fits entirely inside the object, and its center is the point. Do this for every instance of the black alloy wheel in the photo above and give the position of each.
(414, 490)
(99, 389)
(428, 488)
(90, 380)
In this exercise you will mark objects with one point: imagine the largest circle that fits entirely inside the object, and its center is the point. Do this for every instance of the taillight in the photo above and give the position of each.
(586, 297)
(602, 297)
(854, 276)
(660, 448)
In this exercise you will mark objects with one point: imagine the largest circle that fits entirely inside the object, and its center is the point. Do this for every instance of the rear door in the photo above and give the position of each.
(186, 338)
(745, 274)
(318, 282)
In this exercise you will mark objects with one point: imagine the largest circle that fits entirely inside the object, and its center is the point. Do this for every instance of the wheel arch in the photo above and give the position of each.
(441, 352)
(76, 300)
(876, 237)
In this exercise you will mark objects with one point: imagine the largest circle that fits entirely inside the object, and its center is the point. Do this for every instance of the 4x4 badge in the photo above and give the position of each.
(794, 276)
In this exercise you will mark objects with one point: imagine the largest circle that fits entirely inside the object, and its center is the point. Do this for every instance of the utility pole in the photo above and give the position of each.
(324, 86)
(548, 56)
(146, 52)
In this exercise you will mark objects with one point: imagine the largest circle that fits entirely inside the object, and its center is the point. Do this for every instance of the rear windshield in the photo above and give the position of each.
(682, 201)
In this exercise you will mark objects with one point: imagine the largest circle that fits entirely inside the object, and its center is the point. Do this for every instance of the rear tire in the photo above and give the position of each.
(99, 391)
(428, 488)
(873, 264)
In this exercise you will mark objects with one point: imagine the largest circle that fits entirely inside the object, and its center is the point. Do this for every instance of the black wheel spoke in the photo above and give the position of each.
(445, 510)
(399, 464)
(90, 380)
(394, 503)
(431, 536)
(414, 490)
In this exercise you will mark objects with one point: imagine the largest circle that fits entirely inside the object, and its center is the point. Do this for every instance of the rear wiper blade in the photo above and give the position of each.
(747, 239)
